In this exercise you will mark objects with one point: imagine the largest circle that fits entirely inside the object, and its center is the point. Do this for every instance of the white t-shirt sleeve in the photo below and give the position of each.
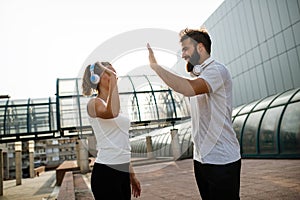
(214, 77)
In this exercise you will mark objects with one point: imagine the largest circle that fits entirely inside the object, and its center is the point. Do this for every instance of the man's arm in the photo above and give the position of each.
(187, 87)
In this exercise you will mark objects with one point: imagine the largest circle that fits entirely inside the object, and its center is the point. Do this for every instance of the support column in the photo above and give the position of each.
(77, 152)
(149, 147)
(83, 156)
(18, 162)
(1, 172)
(31, 158)
(175, 144)
(5, 166)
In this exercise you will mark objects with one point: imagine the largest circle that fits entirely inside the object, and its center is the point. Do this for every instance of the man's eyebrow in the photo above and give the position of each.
(184, 48)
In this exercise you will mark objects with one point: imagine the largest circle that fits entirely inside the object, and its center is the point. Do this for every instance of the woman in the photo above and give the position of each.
(112, 172)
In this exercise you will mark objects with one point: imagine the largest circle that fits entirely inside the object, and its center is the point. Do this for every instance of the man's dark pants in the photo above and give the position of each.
(218, 181)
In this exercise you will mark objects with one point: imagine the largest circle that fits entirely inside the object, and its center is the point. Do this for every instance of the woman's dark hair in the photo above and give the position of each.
(197, 36)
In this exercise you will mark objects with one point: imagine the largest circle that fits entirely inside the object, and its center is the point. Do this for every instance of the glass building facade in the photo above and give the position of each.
(259, 41)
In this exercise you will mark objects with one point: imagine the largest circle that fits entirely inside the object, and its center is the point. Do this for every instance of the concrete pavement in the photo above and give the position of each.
(38, 188)
(260, 179)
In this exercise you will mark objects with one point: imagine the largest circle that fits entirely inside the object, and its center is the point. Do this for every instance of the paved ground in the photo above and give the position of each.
(38, 188)
(260, 179)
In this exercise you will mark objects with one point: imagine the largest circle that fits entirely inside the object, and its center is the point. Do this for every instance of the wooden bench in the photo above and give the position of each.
(39, 170)
(66, 166)
(82, 191)
(74, 187)
(67, 191)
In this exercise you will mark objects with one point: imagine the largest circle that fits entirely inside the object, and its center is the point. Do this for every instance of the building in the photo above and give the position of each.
(259, 41)
(49, 153)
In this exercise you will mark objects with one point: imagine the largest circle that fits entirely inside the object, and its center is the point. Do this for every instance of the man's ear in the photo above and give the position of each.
(199, 47)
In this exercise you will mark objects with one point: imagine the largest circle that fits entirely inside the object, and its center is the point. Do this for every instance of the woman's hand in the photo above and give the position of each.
(135, 186)
(108, 69)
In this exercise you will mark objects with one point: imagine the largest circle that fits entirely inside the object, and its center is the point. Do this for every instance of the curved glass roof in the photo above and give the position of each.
(144, 98)
(269, 127)
(22, 119)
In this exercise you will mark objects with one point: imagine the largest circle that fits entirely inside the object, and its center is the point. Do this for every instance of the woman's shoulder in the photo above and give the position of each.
(96, 100)
(94, 106)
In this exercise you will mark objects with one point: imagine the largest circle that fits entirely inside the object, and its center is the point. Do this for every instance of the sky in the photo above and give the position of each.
(42, 40)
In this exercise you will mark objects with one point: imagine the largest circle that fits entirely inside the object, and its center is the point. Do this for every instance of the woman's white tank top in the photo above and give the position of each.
(112, 136)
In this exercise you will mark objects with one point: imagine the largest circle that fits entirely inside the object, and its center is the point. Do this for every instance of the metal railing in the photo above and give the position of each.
(66, 116)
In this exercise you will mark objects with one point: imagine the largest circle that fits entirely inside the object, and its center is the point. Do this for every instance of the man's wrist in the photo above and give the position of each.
(155, 66)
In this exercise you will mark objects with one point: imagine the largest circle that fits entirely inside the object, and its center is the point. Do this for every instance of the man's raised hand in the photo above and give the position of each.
(152, 59)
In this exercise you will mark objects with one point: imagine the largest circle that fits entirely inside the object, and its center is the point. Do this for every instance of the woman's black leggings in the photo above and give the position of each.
(111, 182)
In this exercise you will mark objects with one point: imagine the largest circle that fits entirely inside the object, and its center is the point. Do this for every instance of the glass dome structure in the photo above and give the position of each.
(269, 127)
(25, 119)
(144, 99)
(161, 142)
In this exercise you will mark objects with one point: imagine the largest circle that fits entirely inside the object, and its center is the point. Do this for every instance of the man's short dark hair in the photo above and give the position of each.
(198, 36)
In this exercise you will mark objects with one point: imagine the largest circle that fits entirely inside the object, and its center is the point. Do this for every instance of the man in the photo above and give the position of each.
(217, 160)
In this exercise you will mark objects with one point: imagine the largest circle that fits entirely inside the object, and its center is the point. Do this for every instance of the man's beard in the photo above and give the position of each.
(194, 60)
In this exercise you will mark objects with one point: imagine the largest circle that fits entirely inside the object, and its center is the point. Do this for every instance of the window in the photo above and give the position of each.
(249, 136)
(268, 133)
(238, 125)
(290, 130)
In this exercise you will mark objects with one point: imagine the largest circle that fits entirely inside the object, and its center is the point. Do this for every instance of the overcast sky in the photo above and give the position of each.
(42, 40)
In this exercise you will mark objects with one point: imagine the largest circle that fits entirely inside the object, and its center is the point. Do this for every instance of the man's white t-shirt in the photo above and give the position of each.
(214, 139)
